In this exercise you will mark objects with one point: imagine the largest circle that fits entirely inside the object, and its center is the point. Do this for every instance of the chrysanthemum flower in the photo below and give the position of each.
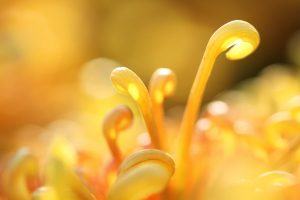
(244, 146)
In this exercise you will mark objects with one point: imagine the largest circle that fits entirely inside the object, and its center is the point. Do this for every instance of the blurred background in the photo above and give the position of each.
(56, 55)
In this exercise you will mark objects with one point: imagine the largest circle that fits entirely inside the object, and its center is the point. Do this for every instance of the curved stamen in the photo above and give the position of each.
(115, 121)
(22, 167)
(60, 172)
(128, 83)
(142, 174)
(162, 84)
(240, 39)
(278, 126)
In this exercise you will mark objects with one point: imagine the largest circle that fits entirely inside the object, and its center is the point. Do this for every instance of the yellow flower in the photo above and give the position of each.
(244, 146)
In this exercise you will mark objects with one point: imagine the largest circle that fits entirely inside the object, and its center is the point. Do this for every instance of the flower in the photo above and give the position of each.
(244, 146)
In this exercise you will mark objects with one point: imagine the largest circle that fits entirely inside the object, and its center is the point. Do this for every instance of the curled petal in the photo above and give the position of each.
(21, 168)
(142, 174)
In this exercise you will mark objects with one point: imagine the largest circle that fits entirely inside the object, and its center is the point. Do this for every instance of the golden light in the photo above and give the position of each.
(232, 151)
